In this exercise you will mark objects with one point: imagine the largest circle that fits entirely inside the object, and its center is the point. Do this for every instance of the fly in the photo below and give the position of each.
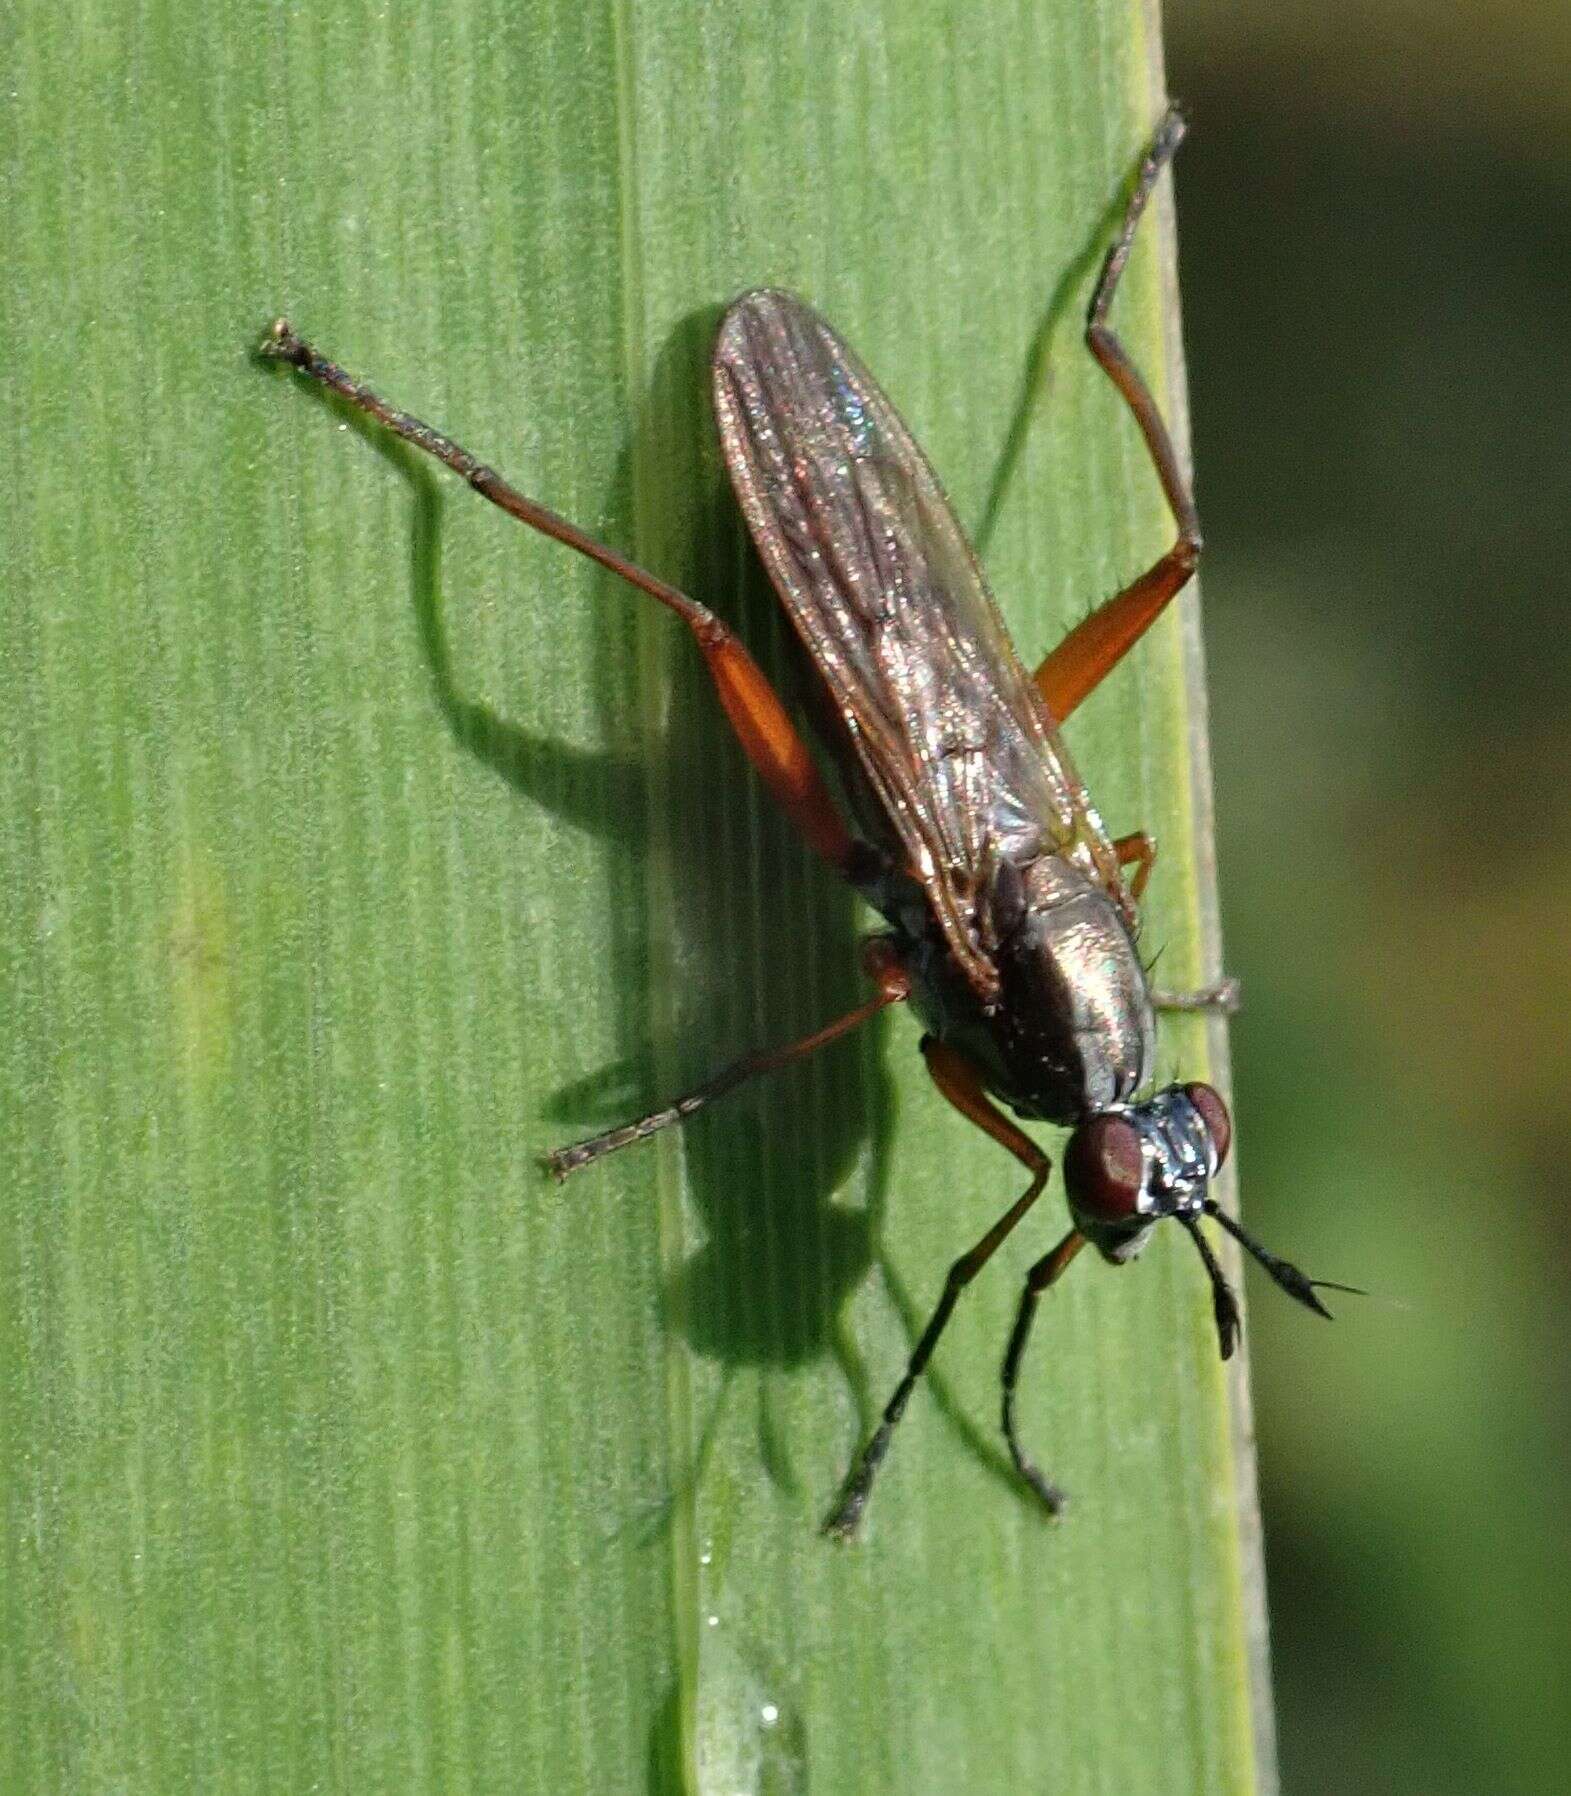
(962, 819)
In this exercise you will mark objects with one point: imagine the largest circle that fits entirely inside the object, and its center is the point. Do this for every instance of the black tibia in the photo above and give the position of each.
(1044, 1273)
(847, 1512)
(957, 1080)
(1224, 1306)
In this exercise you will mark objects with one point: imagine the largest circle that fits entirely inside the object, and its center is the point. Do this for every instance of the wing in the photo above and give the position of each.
(885, 591)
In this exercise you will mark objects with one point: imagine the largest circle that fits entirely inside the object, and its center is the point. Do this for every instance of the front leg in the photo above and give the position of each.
(959, 1082)
(1046, 1272)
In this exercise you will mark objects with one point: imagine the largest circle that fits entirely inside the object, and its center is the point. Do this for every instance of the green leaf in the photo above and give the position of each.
(359, 846)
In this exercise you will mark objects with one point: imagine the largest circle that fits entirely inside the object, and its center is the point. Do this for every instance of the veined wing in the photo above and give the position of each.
(884, 589)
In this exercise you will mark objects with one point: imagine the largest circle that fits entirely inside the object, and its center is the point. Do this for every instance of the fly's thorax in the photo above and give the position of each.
(1074, 1026)
(1127, 1169)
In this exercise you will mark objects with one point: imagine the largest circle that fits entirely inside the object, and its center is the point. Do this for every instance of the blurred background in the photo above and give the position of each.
(1375, 226)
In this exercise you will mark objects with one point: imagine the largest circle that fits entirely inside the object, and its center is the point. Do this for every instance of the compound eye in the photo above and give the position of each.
(1104, 1170)
(1208, 1101)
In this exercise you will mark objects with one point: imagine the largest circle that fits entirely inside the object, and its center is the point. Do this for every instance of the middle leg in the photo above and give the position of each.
(894, 986)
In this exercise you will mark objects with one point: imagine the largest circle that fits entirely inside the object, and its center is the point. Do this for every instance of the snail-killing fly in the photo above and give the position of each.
(960, 816)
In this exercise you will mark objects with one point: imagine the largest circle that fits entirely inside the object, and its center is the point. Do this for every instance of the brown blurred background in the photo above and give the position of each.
(1375, 220)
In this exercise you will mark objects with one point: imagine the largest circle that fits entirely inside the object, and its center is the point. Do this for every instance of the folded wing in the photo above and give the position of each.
(884, 589)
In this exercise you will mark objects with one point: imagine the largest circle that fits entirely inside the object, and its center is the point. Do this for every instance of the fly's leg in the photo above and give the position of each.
(1093, 648)
(894, 986)
(957, 1080)
(1226, 997)
(762, 726)
(1224, 1305)
(1045, 1272)
(1138, 850)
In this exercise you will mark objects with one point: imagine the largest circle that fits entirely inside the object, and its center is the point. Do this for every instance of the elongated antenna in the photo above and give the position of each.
(1296, 1284)
(1224, 1306)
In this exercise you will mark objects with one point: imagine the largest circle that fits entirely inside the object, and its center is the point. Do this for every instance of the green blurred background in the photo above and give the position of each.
(1375, 231)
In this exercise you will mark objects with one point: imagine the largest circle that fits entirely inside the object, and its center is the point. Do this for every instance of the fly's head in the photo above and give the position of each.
(1127, 1168)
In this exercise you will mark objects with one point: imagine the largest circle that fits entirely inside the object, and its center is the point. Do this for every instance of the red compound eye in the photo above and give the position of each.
(1104, 1169)
(1208, 1101)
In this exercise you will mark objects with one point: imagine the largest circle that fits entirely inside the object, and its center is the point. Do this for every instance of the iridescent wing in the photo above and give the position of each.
(886, 593)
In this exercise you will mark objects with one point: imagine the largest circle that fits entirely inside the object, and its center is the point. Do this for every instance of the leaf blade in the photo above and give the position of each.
(344, 1450)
